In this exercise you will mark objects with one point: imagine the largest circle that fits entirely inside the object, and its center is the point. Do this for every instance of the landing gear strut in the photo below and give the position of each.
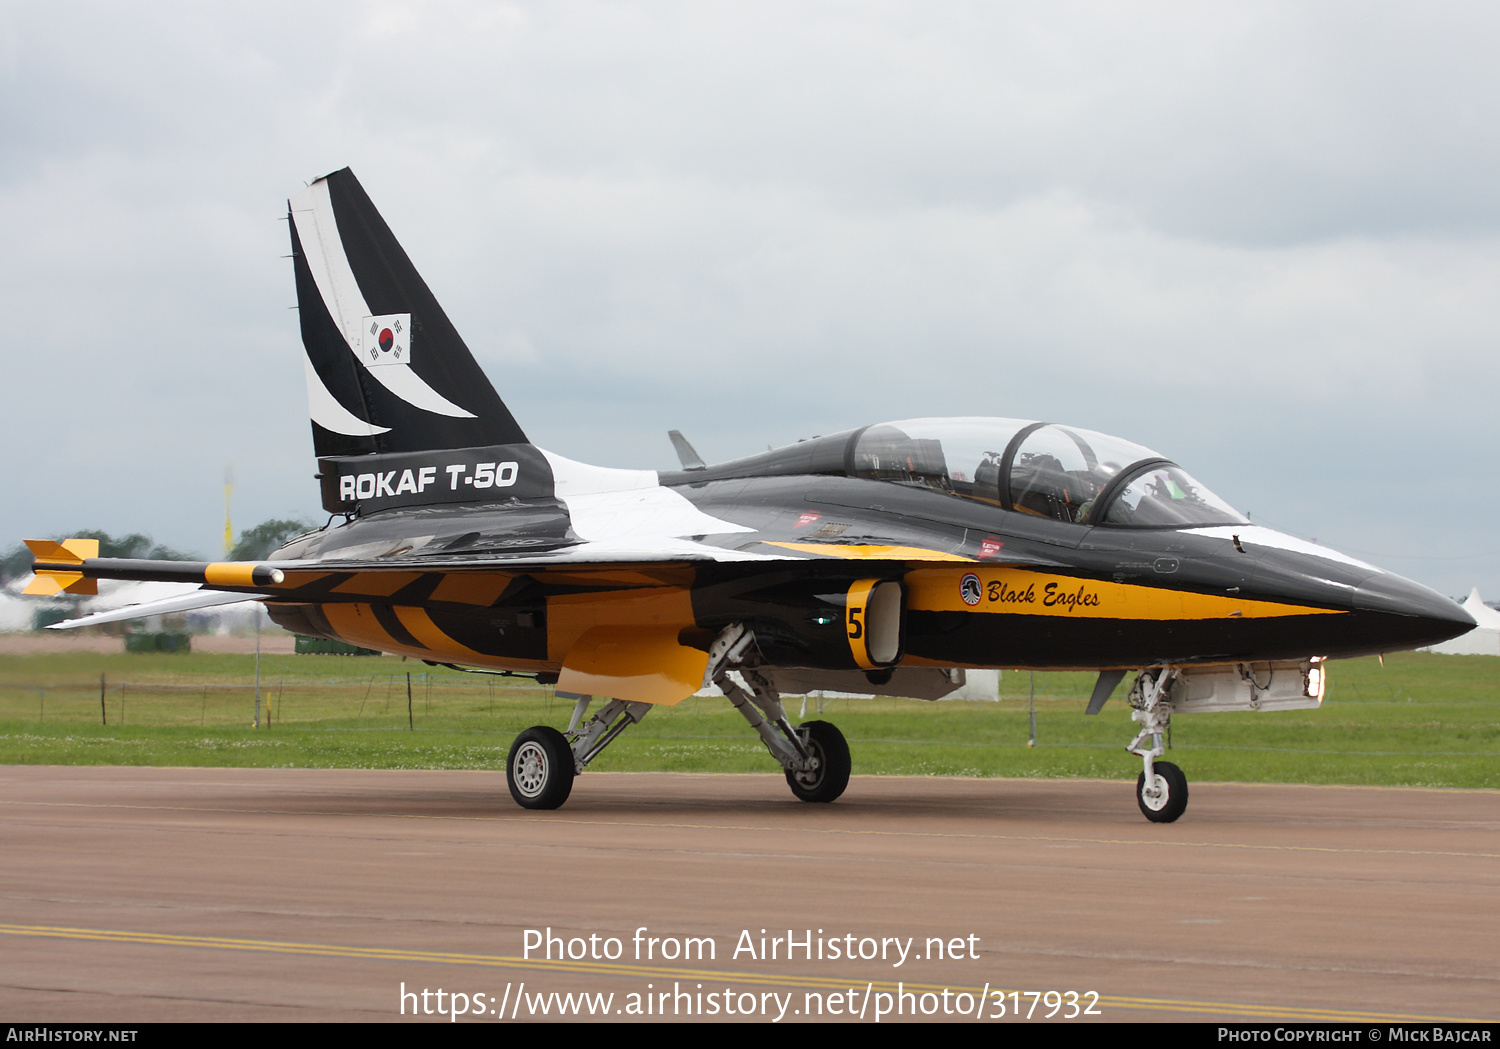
(543, 761)
(1162, 789)
(814, 755)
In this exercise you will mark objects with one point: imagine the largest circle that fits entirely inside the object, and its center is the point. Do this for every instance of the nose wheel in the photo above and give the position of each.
(1164, 795)
(1162, 789)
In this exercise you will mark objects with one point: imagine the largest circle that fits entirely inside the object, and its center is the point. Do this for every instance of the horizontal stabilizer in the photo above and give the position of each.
(191, 602)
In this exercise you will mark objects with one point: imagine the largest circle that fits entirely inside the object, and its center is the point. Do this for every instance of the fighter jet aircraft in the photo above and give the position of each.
(889, 559)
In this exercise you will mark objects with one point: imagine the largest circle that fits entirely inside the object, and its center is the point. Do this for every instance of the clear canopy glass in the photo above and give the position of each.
(958, 456)
(1058, 472)
(1166, 496)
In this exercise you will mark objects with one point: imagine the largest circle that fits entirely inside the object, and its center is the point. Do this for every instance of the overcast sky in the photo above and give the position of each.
(1261, 239)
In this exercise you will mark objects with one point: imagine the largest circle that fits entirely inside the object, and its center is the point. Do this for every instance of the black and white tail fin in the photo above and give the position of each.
(386, 370)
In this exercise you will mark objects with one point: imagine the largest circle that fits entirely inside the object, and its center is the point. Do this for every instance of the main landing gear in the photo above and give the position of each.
(829, 774)
(539, 771)
(814, 754)
(1162, 789)
(543, 762)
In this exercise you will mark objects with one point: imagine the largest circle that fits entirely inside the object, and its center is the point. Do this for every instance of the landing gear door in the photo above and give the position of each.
(874, 622)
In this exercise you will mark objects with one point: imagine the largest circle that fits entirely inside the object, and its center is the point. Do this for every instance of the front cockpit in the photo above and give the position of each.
(1042, 469)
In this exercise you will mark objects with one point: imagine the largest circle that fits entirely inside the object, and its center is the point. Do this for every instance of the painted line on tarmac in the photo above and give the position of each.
(560, 820)
(595, 968)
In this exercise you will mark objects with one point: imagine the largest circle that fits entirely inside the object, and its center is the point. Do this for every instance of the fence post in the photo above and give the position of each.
(103, 717)
(408, 701)
(1031, 709)
(257, 674)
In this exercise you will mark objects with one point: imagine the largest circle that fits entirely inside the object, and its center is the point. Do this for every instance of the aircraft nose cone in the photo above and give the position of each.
(1413, 614)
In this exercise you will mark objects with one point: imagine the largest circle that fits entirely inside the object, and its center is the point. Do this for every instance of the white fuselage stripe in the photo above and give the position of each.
(327, 412)
(1259, 536)
(317, 228)
(630, 510)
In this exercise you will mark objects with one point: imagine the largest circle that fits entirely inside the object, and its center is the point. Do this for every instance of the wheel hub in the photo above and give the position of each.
(811, 776)
(531, 769)
(1155, 794)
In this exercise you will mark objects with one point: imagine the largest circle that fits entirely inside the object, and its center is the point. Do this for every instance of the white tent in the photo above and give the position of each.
(1483, 640)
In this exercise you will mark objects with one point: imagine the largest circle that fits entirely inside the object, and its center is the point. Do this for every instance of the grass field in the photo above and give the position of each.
(1420, 720)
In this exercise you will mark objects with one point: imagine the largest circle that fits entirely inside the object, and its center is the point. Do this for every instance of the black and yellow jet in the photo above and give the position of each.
(889, 559)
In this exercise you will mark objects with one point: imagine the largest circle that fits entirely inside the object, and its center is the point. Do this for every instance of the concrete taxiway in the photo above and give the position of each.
(135, 894)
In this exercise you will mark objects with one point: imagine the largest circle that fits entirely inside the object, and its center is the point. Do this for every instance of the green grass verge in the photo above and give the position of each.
(1421, 720)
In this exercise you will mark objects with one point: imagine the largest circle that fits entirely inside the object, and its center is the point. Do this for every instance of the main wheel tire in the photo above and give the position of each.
(831, 777)
(539, 771)
(1171, 798)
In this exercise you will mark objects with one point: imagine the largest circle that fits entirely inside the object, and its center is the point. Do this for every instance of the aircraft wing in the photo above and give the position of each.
(226, 583)
(589, 610)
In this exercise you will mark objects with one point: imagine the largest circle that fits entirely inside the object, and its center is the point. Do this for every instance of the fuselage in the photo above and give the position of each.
(1002, 567)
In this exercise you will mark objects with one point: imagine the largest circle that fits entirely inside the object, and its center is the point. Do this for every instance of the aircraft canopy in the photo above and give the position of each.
(1044, 469)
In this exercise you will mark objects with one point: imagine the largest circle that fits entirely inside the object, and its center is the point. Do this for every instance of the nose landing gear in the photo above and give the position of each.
(1162, 789)
(1164, 796)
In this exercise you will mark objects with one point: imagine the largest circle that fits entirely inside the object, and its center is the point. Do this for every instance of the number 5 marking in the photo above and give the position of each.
(856, 628)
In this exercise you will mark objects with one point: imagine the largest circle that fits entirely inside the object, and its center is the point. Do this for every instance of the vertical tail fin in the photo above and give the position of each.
(386, 370)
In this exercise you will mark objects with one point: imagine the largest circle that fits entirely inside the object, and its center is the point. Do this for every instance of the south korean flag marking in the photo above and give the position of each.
(387, 339)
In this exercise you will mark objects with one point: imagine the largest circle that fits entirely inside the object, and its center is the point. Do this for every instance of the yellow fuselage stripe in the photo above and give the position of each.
(1020, 591)
(426, 631)
(872, 553)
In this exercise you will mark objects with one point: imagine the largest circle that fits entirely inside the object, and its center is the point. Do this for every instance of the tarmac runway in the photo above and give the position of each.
(136, 894)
